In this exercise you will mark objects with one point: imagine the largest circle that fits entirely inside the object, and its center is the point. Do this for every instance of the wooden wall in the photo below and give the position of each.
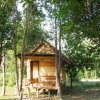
(28, 69)
(45, 67)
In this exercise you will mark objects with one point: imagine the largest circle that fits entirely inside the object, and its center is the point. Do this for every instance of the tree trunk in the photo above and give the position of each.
(4, 74)
(22, 56)
(57, 67)
(59, 70)
(71, 82)
(0, 53)
(60, 49)
(95, 73)
(99, 40)
(15, 43)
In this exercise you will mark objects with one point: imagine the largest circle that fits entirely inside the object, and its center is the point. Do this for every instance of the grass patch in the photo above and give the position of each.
(80, 84)
(80, 91)
(10, 93)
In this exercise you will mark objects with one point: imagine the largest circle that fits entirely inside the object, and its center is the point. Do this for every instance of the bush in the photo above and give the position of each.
(10, 77)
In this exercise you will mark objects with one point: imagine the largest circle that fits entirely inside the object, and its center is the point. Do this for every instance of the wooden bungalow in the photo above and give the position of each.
(41, 67)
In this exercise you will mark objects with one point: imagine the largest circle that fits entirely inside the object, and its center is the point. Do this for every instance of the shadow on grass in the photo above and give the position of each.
(82, 91)
(80, 94)
(86, 84)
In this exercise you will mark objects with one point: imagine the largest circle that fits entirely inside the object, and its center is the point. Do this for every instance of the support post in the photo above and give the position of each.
(37, 92)
(49, 93)
(28, 92)
(44, 91)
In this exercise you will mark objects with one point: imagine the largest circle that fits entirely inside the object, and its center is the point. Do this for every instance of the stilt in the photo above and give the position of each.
(44, 91)
(49, 93)
(37, 92)
(28, 92)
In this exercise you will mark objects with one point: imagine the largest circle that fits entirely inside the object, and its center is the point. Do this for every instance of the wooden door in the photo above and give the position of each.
(35, 70)
(31, 70)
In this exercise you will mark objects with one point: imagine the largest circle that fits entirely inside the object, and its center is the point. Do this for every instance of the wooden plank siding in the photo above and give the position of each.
(45, 68)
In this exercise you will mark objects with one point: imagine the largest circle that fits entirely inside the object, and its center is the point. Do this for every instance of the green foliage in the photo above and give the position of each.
(5, 27)
(1, 78)
(80, 32)
(10, 69)
(10, 78)
(80, 52)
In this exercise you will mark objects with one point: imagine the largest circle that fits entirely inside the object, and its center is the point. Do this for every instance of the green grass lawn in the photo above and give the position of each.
(80, 91)
(87, 84)
(10, 93)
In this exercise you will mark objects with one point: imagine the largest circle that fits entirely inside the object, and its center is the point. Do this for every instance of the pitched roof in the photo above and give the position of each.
(44, 48)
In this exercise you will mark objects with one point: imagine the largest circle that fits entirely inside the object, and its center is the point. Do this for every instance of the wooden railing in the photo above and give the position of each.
(45, 80)
(48, 80)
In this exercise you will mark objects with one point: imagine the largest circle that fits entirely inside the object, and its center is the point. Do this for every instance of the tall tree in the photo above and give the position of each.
(14, 28)
(60, 63)
(5, 34)
(33, 32)
(23, 54)
(53, 14)
(4, 73)
(58, 59)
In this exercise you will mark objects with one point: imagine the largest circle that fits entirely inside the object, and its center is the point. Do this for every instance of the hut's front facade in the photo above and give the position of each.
(41, 67)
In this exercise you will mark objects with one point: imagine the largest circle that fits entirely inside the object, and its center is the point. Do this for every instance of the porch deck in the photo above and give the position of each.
(41, 85)
(44, 82)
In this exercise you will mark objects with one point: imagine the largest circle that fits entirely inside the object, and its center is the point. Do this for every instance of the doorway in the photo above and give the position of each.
(34, 70)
